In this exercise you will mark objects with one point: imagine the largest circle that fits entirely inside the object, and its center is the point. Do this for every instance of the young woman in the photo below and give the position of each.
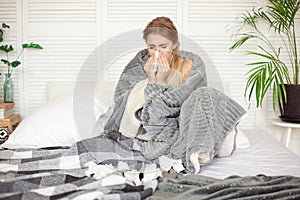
(161, 36)
(162, 102)
(164, 65)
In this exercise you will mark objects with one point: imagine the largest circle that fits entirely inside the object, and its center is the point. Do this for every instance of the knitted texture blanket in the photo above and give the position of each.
(190, 119)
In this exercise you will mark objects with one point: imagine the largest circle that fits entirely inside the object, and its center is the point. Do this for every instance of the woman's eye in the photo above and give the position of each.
(163, 47)
(151, 47)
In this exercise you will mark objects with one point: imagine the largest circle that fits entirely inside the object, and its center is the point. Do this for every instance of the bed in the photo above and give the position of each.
(262, 169)
(265, 155)
(265, 158)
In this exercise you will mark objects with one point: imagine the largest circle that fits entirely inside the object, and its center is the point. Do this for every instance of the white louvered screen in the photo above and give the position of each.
(123, 16)
(70, 31)
(67, 31)
(61, 11)
(210, 25)
(217, 11)
(140, 11)
(9, 14)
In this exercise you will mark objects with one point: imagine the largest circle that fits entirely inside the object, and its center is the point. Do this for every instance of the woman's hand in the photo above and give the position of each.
(163, 70)
(148, 67)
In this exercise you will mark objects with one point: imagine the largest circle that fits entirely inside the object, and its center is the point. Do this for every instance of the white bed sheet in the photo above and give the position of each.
(264, 156)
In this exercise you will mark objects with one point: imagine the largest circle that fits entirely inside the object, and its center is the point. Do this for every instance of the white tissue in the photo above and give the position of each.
(156, 54)
(99, 171)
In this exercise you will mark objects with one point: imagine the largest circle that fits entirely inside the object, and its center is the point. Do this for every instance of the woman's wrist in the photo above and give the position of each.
(161, 82)
(158, 83)
(151, 80)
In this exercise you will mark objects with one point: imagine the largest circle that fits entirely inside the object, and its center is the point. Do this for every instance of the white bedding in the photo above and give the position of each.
(264, 156)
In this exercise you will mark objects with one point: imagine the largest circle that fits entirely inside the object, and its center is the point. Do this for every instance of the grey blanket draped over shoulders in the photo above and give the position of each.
(134, 72)
(192, 118)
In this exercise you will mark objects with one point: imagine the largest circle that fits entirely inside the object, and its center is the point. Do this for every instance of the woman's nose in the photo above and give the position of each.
(157, 49)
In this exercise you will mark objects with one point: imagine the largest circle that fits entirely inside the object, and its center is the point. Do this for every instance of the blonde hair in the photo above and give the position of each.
(165, 27)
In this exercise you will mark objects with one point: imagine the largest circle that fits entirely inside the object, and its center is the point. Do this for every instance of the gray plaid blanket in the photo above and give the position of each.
(104, 167)
(73, 173)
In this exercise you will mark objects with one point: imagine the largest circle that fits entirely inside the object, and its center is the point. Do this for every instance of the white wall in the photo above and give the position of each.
(71, 30)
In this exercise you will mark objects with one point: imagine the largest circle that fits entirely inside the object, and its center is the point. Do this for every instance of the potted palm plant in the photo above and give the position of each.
(8, 87)
(272, 71)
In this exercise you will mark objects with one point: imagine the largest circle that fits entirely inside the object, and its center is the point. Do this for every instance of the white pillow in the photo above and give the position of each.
(104, 93)
(53, 123)
(129, 124)
(237, 136)
(241, 139)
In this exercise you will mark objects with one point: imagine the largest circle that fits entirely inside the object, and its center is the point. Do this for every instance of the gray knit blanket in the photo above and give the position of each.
(192, 118)
(196, 187)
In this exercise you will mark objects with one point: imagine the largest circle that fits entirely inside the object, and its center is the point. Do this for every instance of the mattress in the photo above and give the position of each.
(264, 156)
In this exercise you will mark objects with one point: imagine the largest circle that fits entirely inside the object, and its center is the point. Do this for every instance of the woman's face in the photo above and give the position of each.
(163, 45)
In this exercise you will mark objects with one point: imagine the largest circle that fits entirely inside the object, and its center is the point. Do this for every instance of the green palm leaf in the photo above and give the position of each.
(269, 72)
